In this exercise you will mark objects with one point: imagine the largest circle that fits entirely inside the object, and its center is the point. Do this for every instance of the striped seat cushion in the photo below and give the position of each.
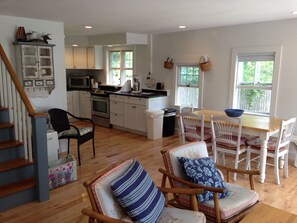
(271, 144)
(72, 131)
(138, 195)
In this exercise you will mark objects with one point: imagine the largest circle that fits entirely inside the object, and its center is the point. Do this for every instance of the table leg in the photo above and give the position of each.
(263, 157)
(295, 163)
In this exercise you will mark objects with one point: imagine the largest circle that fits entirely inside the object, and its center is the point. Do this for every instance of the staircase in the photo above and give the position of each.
(23, 144)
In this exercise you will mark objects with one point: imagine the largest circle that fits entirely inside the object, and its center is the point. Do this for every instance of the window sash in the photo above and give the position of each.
(123, 66)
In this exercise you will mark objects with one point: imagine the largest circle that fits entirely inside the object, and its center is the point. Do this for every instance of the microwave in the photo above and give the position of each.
(79, 82)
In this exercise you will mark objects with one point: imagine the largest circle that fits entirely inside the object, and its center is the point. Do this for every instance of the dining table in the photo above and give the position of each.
(253, 125)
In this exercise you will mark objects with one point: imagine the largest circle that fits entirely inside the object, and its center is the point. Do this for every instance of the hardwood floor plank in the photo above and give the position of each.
(112, 145)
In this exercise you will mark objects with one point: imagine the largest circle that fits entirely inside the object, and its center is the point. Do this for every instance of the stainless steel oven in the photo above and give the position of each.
(100, 110)
(100, 104)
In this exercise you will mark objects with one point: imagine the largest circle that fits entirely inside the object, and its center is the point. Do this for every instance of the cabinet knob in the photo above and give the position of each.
(133, 106)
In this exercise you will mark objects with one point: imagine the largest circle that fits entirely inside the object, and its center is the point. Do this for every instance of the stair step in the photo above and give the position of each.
(12, 164)
(10, 144)
(5, 125)
(17, 186)
(3, 108)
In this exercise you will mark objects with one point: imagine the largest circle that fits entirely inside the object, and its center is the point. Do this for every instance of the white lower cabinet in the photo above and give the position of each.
(73, 102)
(85, 106)
(129, 112)
(79, 103)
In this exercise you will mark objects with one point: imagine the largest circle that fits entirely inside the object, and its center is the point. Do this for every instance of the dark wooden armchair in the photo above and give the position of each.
(60, 123)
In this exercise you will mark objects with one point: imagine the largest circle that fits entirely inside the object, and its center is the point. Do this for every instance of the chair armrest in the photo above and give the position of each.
(80, 118)
(178, 191)
(229, 170)
(215, 190)
(102, 218)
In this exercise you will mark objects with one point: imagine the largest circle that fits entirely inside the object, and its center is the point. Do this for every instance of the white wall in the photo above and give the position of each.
(217, 43)
(9, 25)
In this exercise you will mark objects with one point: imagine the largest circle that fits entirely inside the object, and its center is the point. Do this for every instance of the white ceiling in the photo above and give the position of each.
(148, 16)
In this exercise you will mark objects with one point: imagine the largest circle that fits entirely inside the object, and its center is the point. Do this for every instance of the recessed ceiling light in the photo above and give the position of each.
(88, 27)
(182, 27)
(74, 45)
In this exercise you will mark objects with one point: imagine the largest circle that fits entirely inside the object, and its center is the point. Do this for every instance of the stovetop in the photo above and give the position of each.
(104, 90)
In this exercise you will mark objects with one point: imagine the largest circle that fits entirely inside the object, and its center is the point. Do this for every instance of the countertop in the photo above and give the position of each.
(146, 93)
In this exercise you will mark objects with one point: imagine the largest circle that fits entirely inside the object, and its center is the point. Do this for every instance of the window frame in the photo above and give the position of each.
(121, 49)
(277, 50)
(200, 81)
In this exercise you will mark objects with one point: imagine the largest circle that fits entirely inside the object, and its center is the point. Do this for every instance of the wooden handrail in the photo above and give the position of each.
(17, 84)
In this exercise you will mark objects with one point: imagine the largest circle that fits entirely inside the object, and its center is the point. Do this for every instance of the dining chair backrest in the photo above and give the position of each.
(191, 127)
(226, 130)
(285, 135)
(186, 109)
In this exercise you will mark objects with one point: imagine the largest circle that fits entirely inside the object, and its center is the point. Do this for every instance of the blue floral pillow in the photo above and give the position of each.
(203, 171)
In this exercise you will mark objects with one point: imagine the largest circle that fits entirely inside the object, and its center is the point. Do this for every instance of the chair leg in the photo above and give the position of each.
(78, 153)
(93, 142)
(68, 148)
(281, 162)
(223, 158)
(286, 165)
(215, 154)
(248, 160)
(236, 165)
(276, 171)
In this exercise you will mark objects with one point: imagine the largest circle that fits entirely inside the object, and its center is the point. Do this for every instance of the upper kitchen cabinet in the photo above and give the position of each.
(35, 67)
(84, 57)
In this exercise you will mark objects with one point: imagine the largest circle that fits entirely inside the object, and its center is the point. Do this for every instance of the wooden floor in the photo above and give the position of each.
(112, 145)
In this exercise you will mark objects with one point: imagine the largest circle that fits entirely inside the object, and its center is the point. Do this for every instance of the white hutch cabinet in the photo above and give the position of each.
(35, 67)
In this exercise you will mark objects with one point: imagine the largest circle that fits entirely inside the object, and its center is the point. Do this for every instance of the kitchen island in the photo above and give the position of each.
(127, 109)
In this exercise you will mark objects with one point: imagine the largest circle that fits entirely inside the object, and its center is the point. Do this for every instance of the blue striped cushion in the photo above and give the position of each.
(138, 195)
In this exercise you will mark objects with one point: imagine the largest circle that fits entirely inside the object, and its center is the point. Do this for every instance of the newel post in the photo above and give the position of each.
(39, 143)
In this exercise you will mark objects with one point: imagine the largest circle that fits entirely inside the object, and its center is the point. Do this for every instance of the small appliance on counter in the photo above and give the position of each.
(136, 84)
(160, 86)
(150, 82)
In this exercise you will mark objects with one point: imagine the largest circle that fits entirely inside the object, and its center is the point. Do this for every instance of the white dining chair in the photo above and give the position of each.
(227, 139)
(276, 147)
(192, 128)
(186, 108)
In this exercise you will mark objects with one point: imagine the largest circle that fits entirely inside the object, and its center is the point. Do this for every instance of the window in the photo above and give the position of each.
(120, 66)
(187, 85)
(255, 80)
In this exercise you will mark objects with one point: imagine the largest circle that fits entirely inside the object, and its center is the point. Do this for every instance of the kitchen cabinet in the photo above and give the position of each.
(117, 110)
(129, 112)
(85, 106)
(35, 66)
(69, 58)
(134, 113)
(84, 57)
(80, 58)
(79, 103)
(73, 102)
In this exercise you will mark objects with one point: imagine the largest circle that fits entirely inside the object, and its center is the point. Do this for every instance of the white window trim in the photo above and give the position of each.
(276, 73)
(200, 86)
(118, 48)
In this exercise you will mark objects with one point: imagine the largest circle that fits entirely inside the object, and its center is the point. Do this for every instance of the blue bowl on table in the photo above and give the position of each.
(234, 112)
